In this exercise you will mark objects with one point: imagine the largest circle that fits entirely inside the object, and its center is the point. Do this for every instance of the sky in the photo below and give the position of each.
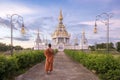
(78, 16)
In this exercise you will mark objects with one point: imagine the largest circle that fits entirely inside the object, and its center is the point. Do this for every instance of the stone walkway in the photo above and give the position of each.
(64, 69)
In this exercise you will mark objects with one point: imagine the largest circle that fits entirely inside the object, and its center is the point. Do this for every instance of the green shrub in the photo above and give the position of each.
(12, 65)
(105, 65)
(29, 58)
(3, 64)
(111, 75)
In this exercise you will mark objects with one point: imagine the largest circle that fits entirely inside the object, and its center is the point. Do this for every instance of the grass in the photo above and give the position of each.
(1, 53)
(114, 53)
(7, 53)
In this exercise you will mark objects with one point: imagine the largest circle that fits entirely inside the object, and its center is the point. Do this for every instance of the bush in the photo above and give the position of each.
(10, 66)
(111, 75)
(27, 59)
(3, 63)
(105, 65)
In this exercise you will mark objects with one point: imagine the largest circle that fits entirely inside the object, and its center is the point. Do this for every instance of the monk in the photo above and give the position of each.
(49, 54)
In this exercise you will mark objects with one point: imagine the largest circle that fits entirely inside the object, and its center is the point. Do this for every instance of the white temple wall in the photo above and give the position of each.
(79, 47)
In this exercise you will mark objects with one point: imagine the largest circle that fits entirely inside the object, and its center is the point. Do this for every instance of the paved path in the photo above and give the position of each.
(64, 69)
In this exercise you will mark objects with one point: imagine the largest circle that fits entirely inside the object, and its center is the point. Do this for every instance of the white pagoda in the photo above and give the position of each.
(60, 35)
(38, 42)
(83, 41)
(61, 39)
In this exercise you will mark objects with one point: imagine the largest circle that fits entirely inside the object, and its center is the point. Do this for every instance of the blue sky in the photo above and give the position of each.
(78, 15)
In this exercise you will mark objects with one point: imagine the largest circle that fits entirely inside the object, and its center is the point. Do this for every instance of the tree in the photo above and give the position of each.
(118, 46)
(111, 45)
(92, 48)
(4, 47)
(18, 48)
(103, 46)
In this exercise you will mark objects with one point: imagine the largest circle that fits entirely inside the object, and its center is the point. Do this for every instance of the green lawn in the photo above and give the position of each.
(1, 53)
(113, 52)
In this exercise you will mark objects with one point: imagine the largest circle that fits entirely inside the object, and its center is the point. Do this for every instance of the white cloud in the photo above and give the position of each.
(114, 23)
(91, 1)
(116, 12)
(33, 19)
(12, 8)
(101, 35)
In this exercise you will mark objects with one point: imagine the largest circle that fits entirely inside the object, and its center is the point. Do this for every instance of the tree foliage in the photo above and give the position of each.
(4, 47)
(103, 45)
(118, 46)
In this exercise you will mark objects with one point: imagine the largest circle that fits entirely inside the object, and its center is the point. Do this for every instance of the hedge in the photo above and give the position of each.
(12, 65)
(105, 65)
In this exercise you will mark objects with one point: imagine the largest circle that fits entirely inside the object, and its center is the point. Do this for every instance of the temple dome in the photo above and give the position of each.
(60, 30)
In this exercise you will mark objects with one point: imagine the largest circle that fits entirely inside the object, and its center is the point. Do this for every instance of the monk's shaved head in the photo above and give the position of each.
(49, 45)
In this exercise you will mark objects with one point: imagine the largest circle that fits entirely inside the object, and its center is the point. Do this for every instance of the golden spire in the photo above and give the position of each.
(60, 16)
(38, 31)
(83, 32)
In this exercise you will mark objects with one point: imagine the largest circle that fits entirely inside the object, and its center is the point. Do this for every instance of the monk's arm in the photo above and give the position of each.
(45, 53)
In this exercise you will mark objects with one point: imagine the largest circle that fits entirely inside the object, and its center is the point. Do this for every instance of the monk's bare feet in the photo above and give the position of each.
(47, 72)
(50, 72)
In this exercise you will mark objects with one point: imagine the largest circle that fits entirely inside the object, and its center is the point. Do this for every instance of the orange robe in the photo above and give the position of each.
(49, 54)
